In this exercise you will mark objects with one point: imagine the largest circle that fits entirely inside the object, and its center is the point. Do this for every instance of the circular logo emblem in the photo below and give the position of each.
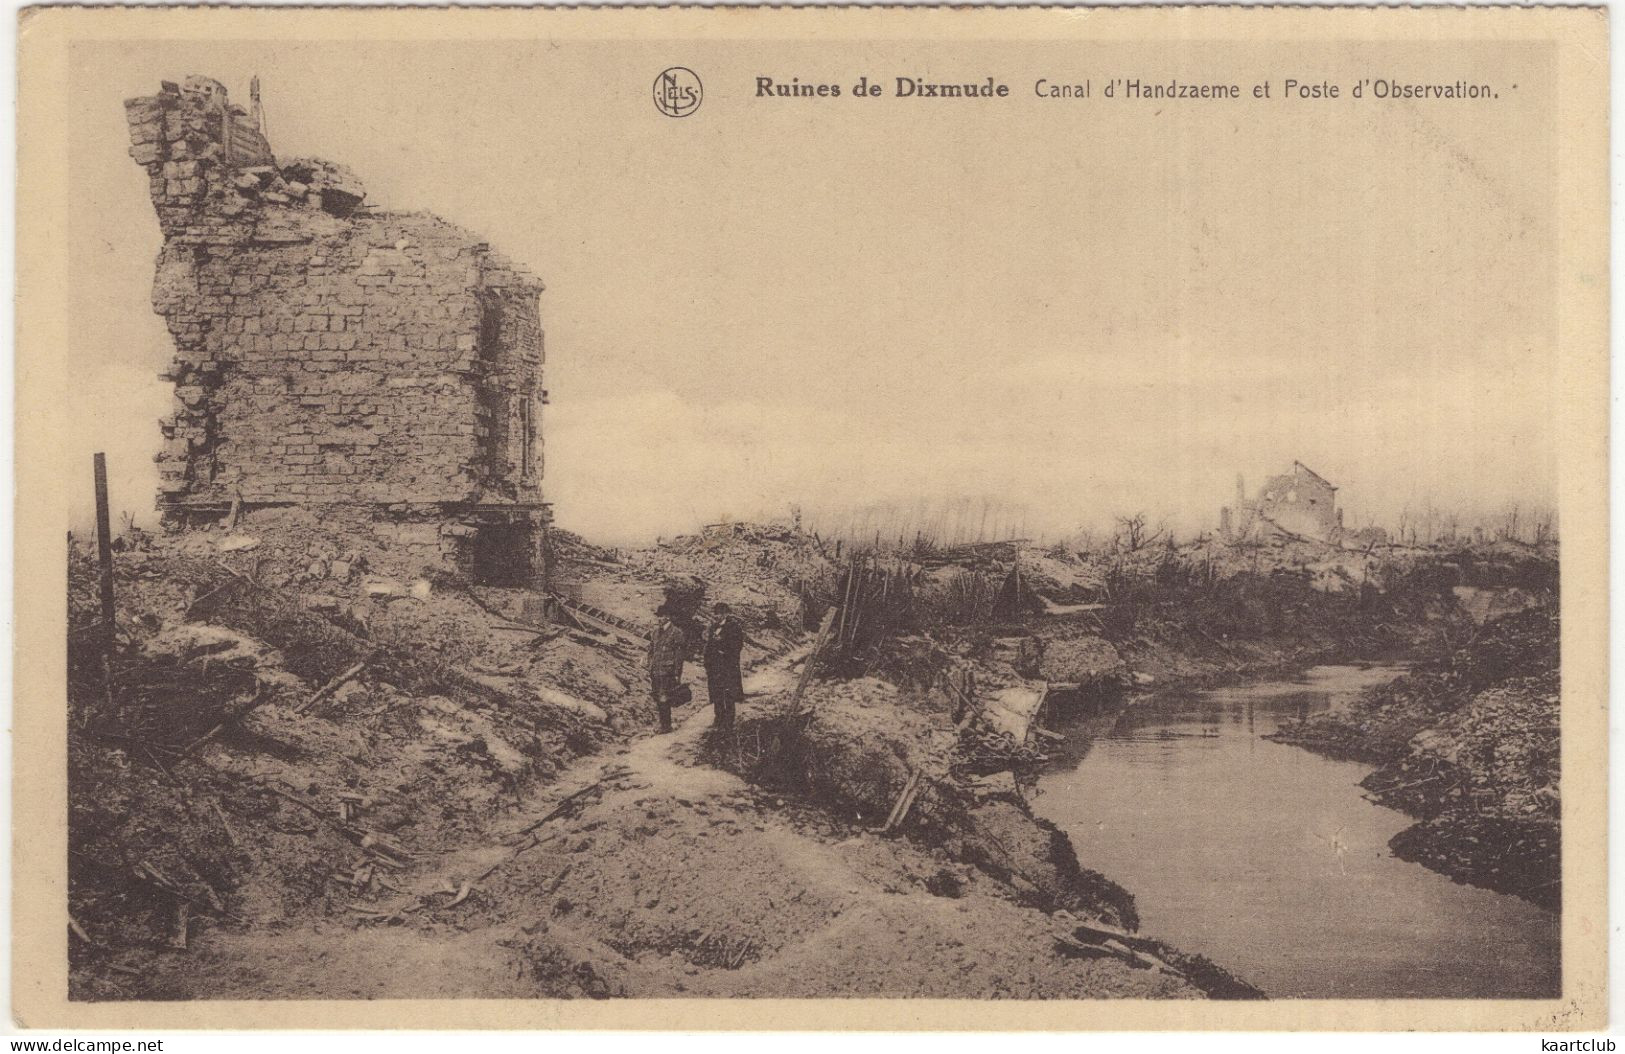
(678, 92)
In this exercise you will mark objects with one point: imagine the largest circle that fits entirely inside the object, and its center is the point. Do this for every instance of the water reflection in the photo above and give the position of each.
(1268, 859)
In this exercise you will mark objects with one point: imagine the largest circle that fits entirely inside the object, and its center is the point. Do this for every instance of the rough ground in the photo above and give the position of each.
(481, 808)
(415, 831)
(670, 878)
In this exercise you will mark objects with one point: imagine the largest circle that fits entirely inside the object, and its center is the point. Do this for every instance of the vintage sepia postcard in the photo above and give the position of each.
(812, 518)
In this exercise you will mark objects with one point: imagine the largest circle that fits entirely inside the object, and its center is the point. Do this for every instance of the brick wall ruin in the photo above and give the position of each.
(331, 355)
(1299, 502)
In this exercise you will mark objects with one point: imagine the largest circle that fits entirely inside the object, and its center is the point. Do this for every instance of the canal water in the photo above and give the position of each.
(1266, 858)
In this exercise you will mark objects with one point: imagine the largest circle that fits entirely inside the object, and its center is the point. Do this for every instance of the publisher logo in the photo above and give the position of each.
(678, 92)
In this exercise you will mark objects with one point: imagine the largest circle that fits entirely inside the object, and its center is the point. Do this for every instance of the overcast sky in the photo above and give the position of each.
(1073, 307)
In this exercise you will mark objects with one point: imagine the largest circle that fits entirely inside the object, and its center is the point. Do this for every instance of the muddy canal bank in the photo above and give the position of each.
(1273, 860)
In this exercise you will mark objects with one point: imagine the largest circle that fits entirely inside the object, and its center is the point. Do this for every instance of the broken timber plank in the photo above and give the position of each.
(905, 801)
(1076, 949)
(908, 803)
(819, 643)
(104, 556)
(577, 610)
(261, 697)
(891, 817)
(330, 687)
(568, 801)
(1103, 932)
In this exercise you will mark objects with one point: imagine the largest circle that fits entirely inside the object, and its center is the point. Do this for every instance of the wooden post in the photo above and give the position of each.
(104, 555)
(819, 644)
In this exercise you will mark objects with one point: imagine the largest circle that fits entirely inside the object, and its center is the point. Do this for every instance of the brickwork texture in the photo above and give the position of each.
(331, 354)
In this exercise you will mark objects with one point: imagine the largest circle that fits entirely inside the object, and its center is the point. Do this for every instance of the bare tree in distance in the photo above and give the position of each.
(1135, 533)
(1544, 529)
(1511, 523)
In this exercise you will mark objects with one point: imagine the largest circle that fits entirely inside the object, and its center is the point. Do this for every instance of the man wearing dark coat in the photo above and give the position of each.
(724, 640)
(668, 646)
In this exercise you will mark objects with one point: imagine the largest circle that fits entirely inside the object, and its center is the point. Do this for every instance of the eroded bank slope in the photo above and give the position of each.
(1467, 743)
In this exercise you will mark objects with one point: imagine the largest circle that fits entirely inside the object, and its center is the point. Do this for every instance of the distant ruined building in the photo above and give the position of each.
(1300, 502)
(383, 369)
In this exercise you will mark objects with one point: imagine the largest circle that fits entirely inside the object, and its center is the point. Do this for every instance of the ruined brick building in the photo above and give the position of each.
(1299, 502)
(381, 368)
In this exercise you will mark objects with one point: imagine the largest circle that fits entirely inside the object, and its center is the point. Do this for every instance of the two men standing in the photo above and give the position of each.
(668, 649)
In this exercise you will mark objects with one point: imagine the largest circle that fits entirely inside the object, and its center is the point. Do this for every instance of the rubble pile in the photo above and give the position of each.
(572, 556)
(1066, 655)
(1063, 574)
(377, 783)
(1504, 741)
(1485, 782)
(854, 751)
(261, 760)
(1382, 723)
(756, 568)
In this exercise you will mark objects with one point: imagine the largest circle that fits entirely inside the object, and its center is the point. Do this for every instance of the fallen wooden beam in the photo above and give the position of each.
(905, 801)
(524, 629)
(379, 846)
(261, 697)
(891, 816)
(1104, 932)
(148, 872)
(908, 803)
(1076, 949)
(819, 643)
(1099, 940)
(568, 801)
(1134, 955)
(576, 611)
(390, 854)
(330, 687)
